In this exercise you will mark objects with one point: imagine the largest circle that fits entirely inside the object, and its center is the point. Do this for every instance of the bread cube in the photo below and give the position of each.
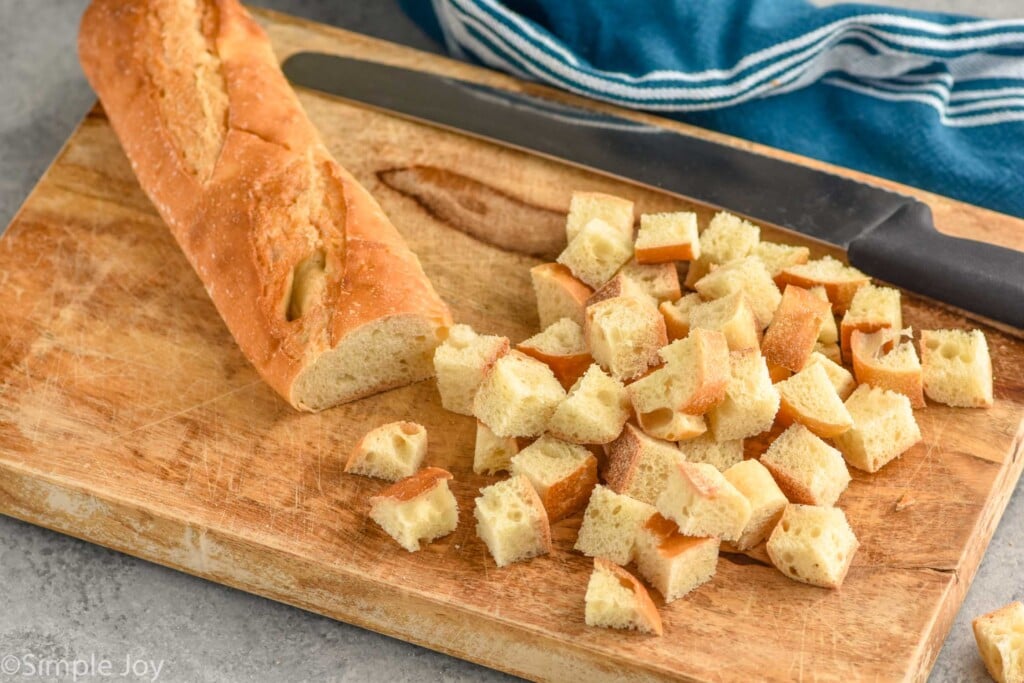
(672, 425)
(638, 464)
(587, 206)
(790, 338)
(391, 452)
(702, 502)
(842, 381)
(871, 309)
(747, 275)
(659, 280)
(810, 398)
(610, 525)
(830, 351)
(751, 400)
(766, 499)
(518, 396)
(493, 453)
(460, 364)
(417, 509)
(615, 599)
(957, 368)
(594, 411)
(732, 316)
(620, 285)
(813, 545)
(511, 521)
(562, 347)
(1000, 638)
(883, 428)
(829, 333)
(692, 380)
(559, 294)
(624, 335)
(882, 360)
(677, 315)
(840, 281)
(807, 469)
(704, 448)
(674, 564)
(665, 237)
(563, 474)
(777, 257)
(596, 253)
(726, 238)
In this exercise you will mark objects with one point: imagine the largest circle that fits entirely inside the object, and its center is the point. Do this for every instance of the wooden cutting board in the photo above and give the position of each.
(129, 418)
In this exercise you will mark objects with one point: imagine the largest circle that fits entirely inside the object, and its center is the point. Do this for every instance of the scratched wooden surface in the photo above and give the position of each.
(129, 418)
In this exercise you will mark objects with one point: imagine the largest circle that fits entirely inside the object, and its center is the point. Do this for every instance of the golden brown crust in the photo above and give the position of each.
(567, 368)
(664, 254)
(360, 450)
(543, 526)
(412, 487)
(788, 414)
(793, 332)
(865, 348)
(572, 493)
(645, 606)
(576, 291)
(840, 292)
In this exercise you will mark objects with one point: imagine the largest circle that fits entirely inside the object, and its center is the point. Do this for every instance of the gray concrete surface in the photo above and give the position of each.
(64, 599)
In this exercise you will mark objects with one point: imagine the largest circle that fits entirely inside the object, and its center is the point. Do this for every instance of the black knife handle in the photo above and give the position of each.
(907, 251)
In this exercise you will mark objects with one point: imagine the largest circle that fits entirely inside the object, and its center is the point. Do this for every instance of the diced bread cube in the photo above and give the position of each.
(615, 599)
(586, 206)
(1000, 638)
(830, 351)
(493, 453)
(391, 452)
(461, 363)
(672, 425)
(842, 381)
(638, 464)
(610, 525)
(751, 400)
(674, 564)
(790, 338)
(518, 396)
(882, 360)
(778, 257)
(840, 281)
(829, 333)
(596, 253)
(766, 499)
(883, 428)
(702, 502)
(665, 237)
(807, 469)
(559, 294)
(620, 285)
(659, 280)
(704, 448)
(562, 473)
(732, 316)
(562, 347)
(692, 380)
(957, 368)
(747, 275)
(813, 545)
(871, 309)
(417, 509)
(810, 398)
(677, 315)
(511, 521)
(624, 335)
(726, 238)
(594, 411)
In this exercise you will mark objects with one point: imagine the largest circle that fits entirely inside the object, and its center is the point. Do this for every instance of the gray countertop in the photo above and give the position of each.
(65, 599)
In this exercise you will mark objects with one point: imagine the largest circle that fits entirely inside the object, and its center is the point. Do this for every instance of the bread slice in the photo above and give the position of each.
(559, 294)
(493, 453)
(810, 398)
(624, 335)
(461, 363)
(807, 469)
(391, 452)
(747, 275)
(882, 360)
(594, 411)
(840, 281)
(702, 502)
(829, 333)
(518, 396)
(659, 280)
(751, 400)
(562, 473)
(790, 338)
(777, 257)
(615, 599)
(638, 464)
(704, 448)
(957, 368)
(511, 521)
(596, 253)
(732, 316)
(587, 206)
(562, 347)
(610, 525)
(677, 315)
(883, 428)
(1000, 638)
(666, 237)
(766, 499)
(813, 545)
(726, 238)
(672, 425)
(871, 309)
(417, 509)
(674, 564)
(842, 381)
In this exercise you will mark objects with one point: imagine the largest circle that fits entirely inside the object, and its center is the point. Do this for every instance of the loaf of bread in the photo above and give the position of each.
(461, 362)
(559, 294)
(615, 599)
(563, 474)
(667, 237)
(610, 525)
(317, 287)
(562, 347)
(673, 563)
(417, 509)
(957, 368)
(813, 545)
(391, 452)
(1000, 638)
(511, 521)
(807, 469)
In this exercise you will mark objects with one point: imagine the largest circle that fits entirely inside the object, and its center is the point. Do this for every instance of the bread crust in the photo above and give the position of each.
(567, 367)
(413, 486)
(790, 338)
(644, 605)
(864, 347)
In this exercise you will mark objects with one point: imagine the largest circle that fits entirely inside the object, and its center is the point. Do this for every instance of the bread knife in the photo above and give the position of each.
(887, 235)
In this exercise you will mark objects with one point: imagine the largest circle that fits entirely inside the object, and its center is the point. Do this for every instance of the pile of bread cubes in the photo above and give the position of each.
(634, 400)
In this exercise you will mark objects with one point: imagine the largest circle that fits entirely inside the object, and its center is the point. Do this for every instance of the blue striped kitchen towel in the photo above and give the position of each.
(931, 100)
